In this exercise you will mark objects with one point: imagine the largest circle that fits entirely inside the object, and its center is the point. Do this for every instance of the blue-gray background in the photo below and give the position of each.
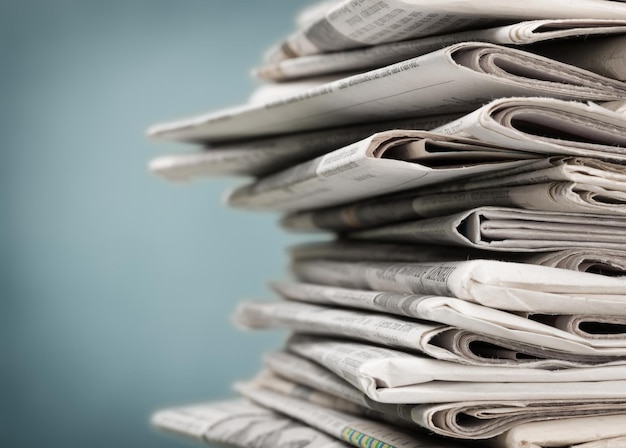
(116, 286)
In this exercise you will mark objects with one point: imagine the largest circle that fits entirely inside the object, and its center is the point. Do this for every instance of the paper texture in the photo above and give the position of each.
(522, 33)
(495, 284)
(386, 162)
(348, 24)
(509, 229)
(466, 420)
(268, 155)
(238, 423)
(458, 78)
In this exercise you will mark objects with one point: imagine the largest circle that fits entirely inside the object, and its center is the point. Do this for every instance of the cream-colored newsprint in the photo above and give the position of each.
(563, 184)
(583, 432)
(443, 342)
(355, 430)
(267, 155)
(496, 284)
(239, 423)
(458, 78)
(510, 230)
(386, 162)
(349, 24)
(391, 376)
(567, 333)
(295, 375)
(606, 261)
(521, 33)
(547, 126)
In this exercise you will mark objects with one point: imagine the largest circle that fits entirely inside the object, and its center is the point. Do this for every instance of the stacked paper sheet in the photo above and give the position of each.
(470, 160)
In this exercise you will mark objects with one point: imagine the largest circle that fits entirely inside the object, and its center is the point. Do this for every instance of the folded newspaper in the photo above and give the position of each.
(458, 78)
(365, 432)
(239, 423)
(509, 229)
(267, 155)
(443, 342)
(551, 184)
(347, 24)
(547, 126)
(565, 332)
(521, 33)
(392, 376)
(604, 261)
(386, 162)
(496, 284)
(296, 376)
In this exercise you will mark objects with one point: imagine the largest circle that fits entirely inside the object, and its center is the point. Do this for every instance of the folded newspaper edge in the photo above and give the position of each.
(591, 330)
(268, 155)
(521, 33)
(439, 341)
(385, 162)
(392, 376)
(605, 262)
(458, 78)
(242, 424)
(560, 127)
(295, 376)
(510, 230)
(346, 24)
(496, 284)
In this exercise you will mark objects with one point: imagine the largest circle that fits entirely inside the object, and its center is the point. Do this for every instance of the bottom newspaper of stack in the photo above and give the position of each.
(422, 347)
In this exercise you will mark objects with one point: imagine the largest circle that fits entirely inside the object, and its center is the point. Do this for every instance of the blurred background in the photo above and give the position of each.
(117, 287)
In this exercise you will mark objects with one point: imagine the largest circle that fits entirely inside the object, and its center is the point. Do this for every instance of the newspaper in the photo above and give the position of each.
(605, 261)
(466, 420)
(583, 432)
(395, 377)
(443, 342)
(547, 126)
(386, 162)
(495, 284)
(563, 184)
(267, 155)
(239, 423)
(568, 333)
(521, 33)
(355, 430)
(604, 56)
(350, 24)
(458, 78)
(510, 230)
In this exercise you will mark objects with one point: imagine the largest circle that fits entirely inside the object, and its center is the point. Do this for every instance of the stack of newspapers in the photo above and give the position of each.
(468, 160)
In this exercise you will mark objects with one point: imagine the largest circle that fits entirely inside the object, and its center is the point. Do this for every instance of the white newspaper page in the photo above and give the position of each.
(348, 24)
(558, 184)
(357, 431)
(464, 420)
(604, 262)
(239, 423)
(496, 284)
(390, 376)
(458, 78)
(386, 162)
(510, 230)
(547, 126)
(268, 155)
(574, 333)
(583, 432)
(436, 340)
(521, 33)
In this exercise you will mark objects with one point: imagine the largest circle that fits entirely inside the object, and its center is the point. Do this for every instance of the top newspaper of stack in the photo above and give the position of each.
(344, 24)
(458, 78)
